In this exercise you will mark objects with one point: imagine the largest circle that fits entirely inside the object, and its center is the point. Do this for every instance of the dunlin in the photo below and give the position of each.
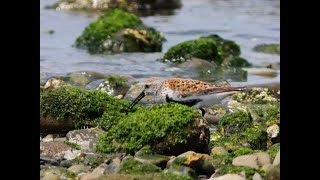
(185, 91)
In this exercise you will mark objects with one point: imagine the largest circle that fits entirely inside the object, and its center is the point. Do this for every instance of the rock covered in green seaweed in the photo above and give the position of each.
(211, 48)
(243, 130)
(119, 31)
(167, 128)
(79, 107)
(139, 6)
(268, 48)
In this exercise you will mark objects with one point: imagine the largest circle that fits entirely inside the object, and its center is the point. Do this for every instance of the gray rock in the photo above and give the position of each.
(201, 163)
(262, 71)
(113, 166)
(86, 138)
(48, 138)
(53, 83)
(145, 155)
(276, 160)
(255, 160)
(95, 174)
(273, 131)
(79, 168)
(115, 85)
(134, 92)
(218, 150)
(62, 173)
(266, 167)
(53, 150)
(65, 163)
(273, 173)
(50, 176)
(256, 176)
(229, 177)
(71, 154)
(47, 160)
(61, 139)
(181, 170)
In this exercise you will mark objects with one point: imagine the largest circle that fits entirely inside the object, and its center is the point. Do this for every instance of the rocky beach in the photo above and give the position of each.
(209, 73)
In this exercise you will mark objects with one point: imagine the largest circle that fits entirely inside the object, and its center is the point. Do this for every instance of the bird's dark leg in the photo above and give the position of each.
(188, 102)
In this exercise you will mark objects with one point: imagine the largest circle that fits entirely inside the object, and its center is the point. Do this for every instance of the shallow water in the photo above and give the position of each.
(248, 22)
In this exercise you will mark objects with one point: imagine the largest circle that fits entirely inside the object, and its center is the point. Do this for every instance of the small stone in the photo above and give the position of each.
(53, 150)
(243, 174)
(95, 174)
(255, 160)
(86, 138)
(47, 160)
(276, 160)
(79, 168)
(229, 177)
(61, 139)
(48, 138)
(71, 154)
(273, 131)
(266, 167)
(262, 71)
(50, 176)
(218, 150)
(256, 176)
(273, 173)
(65, 163)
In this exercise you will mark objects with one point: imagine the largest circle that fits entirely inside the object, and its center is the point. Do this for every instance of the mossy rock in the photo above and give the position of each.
(203, 48)
(237, 130)
(150, 176)
(235, 122)
(169, 129)
(226, 169)
(273, 150)
(141, 7)
(181, 170)
(131, 166)
(113, 85)
(59, 171)
(267, 114)
(257, 96)
(222, 159)
(227, 47)
(74, 107)
(119, 31)
(212, 48)
(92, 161)
(146, 155)
(268, 48)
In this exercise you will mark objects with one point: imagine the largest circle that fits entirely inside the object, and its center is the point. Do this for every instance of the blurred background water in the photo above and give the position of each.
(247, 22)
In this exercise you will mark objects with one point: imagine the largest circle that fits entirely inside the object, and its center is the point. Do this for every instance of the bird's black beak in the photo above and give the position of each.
(141, 95)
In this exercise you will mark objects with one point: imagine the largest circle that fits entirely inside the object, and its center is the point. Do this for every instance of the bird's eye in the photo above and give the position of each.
(146, 86)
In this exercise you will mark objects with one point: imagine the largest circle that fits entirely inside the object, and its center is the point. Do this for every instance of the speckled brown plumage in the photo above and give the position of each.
(189, 87)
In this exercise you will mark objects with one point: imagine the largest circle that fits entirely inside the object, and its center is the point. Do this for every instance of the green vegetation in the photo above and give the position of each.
(238, 169)
(83, 107)
(166, 123)
(92, 161)
(268, 48)
(132, 166)
(73, 145)
(200, 48)
(119, 31)
(273, 150)
(211, 48)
